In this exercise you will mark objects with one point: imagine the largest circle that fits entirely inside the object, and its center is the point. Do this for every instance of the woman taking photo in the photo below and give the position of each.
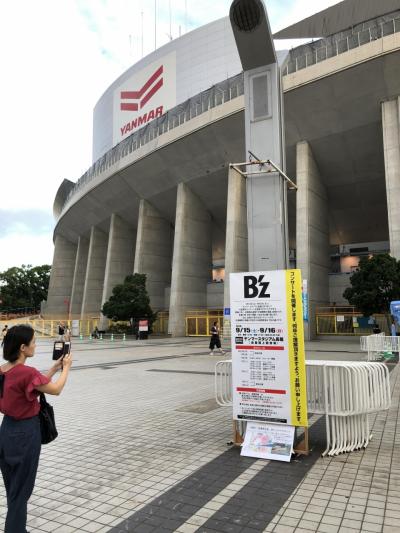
(20, 437)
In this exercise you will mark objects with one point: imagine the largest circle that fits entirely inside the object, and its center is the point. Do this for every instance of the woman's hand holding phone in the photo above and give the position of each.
(66, 361)
(58, 364)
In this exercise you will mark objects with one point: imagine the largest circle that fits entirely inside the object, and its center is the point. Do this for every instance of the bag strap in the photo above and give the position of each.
(43, 400)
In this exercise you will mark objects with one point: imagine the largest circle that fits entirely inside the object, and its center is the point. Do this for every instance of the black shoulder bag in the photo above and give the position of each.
(47, 421)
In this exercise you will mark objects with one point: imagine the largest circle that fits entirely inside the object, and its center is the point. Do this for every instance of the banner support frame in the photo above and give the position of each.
(301, 448)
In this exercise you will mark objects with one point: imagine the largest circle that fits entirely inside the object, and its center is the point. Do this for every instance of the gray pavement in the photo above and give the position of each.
(142, 447)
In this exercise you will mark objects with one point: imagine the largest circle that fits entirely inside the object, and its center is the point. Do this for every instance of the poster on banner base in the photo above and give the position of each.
(268, 441)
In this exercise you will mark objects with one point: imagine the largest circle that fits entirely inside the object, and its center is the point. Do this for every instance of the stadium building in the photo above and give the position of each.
(161, 199)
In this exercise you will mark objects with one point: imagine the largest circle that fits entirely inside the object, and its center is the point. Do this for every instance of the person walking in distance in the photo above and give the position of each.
(215, 341)
(4, 333)
(20, 436)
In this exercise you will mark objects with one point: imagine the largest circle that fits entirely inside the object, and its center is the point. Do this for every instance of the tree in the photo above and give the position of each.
(130, 300)
(374, 285)
(24, 286)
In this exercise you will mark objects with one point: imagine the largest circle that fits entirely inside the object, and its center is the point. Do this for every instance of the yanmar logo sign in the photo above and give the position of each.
(144, 97)
(140, 99)
(145, 93)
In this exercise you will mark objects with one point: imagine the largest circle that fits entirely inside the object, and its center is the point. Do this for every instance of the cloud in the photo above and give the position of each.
(61, 56)
(21, 249)
(25, 222)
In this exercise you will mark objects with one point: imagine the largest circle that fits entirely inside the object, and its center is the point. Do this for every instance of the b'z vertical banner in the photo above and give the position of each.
(268, 360)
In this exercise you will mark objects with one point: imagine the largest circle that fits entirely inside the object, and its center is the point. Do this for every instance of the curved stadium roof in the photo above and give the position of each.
(339, 17)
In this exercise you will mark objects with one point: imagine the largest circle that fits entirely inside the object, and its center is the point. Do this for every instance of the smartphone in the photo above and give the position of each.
(67, 348)
(58, 350)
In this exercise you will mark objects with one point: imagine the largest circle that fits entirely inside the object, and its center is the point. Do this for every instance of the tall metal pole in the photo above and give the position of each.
(185, 16)
(155, 24)
(170, 21)
(266, 197)
(142, 32)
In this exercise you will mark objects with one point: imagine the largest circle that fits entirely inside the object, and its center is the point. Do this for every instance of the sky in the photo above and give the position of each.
(57, 58)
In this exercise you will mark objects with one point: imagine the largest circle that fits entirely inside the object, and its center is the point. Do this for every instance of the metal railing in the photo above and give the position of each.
(341, 46)
(346, 392)
(201, 103)
(223, 382)
(160, 325)
(49, 328)
(346, 324)
(335, 309)
(380, 347)
(10, 314)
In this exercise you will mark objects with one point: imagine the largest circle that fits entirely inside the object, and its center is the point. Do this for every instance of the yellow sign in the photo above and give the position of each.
(268, 360)
(297, 361)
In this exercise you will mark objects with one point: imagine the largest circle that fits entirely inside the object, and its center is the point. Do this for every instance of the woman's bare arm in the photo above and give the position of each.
(56, 387)
(54, 369)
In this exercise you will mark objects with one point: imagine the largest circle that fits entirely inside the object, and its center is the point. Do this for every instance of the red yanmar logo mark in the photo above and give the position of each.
(148, 90)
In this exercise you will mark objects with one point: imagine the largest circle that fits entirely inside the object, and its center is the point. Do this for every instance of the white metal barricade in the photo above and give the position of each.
(380, 347)
(365, 339)
(345, 392)
(223, 382)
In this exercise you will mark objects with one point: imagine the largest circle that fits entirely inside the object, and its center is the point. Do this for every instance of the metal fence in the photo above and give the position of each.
(380, 347)
(346, 324)
(11, 314)
(201, 103)
(49, 328)
(160, 325)
(199, 323)
(340, 46)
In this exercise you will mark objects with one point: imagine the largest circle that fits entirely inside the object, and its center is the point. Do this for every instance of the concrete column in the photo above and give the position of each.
(94, 278)
(153, 254)
(236, 250)
(120, 258)
(391, 146)
(61, 278)
(79, 277)
(191, 263)
(312, 232)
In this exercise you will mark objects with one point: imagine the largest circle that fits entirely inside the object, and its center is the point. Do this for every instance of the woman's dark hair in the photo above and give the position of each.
(15, 337)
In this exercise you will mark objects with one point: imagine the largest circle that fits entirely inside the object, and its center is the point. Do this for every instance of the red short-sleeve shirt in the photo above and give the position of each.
(20, 398)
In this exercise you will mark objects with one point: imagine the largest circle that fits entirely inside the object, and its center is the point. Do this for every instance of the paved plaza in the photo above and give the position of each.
(142, 447)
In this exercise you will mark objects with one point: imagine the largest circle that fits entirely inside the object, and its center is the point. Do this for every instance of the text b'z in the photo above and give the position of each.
(255, 287)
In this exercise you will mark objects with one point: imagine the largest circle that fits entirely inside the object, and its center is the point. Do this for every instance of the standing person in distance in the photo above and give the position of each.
(215, 341)
(4, 333)
(61, 331)
(67, 334)
(20, 436)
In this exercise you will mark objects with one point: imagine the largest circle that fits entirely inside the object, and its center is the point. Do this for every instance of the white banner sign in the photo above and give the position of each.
(268, 441)
(268, 363)
(146, 95)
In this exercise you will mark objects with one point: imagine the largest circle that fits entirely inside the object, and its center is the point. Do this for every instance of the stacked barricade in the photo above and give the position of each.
(380, 347)
(345, 392)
